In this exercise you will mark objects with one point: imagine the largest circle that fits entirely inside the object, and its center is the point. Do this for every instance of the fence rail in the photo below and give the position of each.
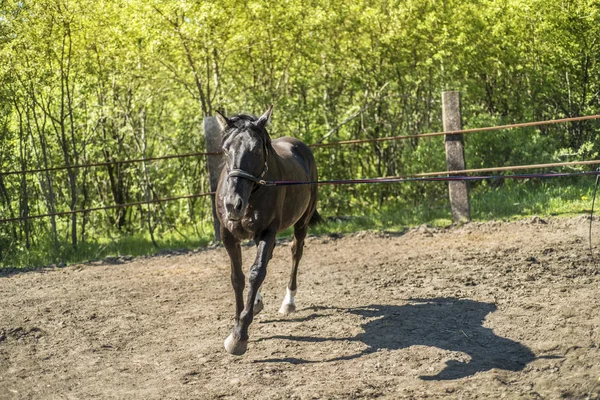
(106, 163)
(85, 210)
(313, 145)
(436, 176)
(457, 132)
(423, 177)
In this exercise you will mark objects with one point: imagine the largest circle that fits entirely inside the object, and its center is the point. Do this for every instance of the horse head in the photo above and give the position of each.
(246, 145)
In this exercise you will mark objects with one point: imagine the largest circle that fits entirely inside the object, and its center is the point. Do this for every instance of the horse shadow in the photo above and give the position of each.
(445, 323)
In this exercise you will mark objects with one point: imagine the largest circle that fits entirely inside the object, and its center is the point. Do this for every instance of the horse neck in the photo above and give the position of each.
(273, 162)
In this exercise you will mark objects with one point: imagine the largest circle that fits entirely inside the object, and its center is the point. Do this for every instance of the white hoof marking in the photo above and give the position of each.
(288, 306)
(258, 303)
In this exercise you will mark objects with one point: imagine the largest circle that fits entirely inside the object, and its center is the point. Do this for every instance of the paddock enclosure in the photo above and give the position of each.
(482, 310)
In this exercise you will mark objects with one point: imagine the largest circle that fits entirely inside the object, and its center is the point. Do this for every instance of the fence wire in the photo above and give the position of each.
(314, 145)
(424, 177)
(427, 176)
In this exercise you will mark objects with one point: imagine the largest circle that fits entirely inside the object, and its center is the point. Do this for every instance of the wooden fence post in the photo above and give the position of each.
(212, 137)
(455, 156)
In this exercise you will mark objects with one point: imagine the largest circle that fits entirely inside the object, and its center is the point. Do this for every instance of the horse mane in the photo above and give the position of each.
(243, 122)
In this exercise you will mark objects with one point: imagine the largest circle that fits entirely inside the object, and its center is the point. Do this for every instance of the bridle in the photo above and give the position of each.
(240, 173)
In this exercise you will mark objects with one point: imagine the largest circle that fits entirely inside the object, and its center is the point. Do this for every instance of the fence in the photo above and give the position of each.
(455, 162)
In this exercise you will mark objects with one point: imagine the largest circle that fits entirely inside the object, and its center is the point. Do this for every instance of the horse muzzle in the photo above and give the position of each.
(235, 207)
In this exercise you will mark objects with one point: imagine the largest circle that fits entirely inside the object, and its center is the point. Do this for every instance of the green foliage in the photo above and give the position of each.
(534, 197)
(102, 81)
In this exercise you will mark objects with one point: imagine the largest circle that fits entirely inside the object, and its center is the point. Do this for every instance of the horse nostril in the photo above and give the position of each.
(234, 206)
(238, 205)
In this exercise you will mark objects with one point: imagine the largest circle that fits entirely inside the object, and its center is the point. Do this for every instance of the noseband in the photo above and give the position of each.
(240, 173)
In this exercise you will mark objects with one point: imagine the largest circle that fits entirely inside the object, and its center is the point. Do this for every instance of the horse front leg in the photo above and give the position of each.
(237, 342)
(234, 250)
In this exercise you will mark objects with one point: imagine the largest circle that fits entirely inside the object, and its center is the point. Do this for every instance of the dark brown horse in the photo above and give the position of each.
(249, 208)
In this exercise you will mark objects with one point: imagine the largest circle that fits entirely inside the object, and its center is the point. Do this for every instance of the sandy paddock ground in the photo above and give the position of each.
(486, 310)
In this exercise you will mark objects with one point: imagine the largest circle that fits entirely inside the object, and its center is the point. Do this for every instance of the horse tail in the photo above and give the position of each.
(315, 219)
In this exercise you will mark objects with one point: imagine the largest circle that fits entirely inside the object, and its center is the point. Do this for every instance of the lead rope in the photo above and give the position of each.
(592, 216)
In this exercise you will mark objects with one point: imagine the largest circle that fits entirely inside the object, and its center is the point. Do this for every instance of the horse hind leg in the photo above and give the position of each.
(288, 306)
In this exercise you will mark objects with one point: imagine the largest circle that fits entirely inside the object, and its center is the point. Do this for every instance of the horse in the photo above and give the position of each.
(249, 206)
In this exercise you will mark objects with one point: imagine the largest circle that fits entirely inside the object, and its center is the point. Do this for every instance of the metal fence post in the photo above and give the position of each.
(455, 156)
(212, 137)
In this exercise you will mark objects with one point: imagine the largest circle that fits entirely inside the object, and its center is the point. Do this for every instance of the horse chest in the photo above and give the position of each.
(248, 226)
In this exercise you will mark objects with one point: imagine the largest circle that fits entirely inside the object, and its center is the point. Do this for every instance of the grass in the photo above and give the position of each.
(514, 200)
(511, 200)
(44, 253)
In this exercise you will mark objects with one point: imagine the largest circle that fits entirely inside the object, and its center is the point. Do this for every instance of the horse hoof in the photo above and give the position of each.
(235, 347)
(287, 309)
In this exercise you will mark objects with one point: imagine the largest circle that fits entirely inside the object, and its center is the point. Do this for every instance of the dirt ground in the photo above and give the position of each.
(486, 310)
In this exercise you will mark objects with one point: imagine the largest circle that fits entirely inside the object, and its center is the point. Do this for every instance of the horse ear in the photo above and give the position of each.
(262, 121)
(222, 120)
